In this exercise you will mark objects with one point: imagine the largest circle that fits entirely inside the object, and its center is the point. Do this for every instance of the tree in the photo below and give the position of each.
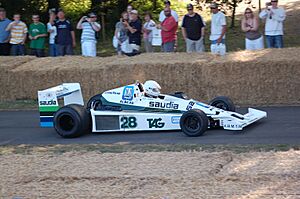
(228, 6)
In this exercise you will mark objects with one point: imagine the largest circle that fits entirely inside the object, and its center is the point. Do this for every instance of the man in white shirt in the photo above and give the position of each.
(274, 24)
(52, 33)
(162, 15)
(218, 30)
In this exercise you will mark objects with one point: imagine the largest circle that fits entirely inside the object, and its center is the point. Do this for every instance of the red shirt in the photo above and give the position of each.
(170, 26)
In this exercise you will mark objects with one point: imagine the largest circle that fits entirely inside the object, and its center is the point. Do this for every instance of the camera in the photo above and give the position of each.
(268, 4)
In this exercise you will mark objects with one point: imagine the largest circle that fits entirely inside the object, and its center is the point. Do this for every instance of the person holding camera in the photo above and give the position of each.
(90, 29)
(274, 24)
(18, 34)
(120, 36)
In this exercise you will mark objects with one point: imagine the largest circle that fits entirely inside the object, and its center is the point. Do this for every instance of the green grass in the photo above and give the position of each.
(143, 148)
(19, 105)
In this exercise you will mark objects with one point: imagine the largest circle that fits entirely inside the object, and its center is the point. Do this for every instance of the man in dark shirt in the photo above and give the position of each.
(65, 38)
(134, 31)
(193, 30)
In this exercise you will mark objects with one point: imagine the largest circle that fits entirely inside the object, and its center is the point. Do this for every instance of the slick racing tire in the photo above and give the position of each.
(223, 102)
(194, 123)
(94, 101)
(72, 121)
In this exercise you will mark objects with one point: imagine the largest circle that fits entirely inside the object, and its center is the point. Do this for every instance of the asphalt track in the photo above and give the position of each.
(281, 127)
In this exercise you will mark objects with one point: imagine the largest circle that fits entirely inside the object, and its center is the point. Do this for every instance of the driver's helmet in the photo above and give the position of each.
(152, 88)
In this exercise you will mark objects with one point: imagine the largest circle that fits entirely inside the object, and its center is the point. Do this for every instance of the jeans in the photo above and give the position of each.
(63, 50)
(4, 49)
(17, 49)
(148, 45)
(168, 46)
(274, 41)
(52, 50)
(37, 52)
(194, 46)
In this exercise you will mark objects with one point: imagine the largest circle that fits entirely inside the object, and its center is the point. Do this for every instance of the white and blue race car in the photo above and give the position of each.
(128, 108)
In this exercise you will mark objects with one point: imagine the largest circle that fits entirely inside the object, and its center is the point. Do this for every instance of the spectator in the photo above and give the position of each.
(37, 34)
(134, 28)
(250, 24)
(168, 31)
(4, 34)
(218, 30)
(162, 15)
(149, 25)
(121, 32)
(274, 24)
(89, 28)
(18, 34)
(52, 33)
(193, 30)
(65, 41)
(129, 9)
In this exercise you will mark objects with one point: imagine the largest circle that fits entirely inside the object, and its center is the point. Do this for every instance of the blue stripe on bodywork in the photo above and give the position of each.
(46, 119)
(46, 124)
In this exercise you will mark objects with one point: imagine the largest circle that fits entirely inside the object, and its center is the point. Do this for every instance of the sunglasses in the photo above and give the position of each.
(189, 9)
(248, 12)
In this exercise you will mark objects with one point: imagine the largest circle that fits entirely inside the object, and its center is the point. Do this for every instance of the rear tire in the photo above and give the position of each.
(194, 123)
(72, 121)
(223, 102)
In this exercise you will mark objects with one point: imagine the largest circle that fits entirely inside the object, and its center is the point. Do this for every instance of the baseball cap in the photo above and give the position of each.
(92, 14)
(189, 6)
(213, 5)
(134, 12)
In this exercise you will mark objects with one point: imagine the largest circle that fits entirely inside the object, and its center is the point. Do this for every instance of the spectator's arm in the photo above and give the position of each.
(96, 27)
(203, 31)
(281, 17)
(170, 26)
(224, 29)
(183, 31)
(9, 27)
(73, 39)
(79, 24)
(116, 33)
(263, 14)
(243, 26)
(132, 30)
(255, 25)
(24, 38)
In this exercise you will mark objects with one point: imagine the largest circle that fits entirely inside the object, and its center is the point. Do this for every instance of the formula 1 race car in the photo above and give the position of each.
(129, 108)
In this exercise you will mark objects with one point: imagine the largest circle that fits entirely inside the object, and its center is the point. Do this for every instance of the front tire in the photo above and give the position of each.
(194, 123)
(72, 121)
(223, 102)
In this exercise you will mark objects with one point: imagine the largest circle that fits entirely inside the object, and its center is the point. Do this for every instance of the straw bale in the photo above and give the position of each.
(266, 77)
(158, 175)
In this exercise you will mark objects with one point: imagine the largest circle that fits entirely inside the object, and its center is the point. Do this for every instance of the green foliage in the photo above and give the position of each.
(75, 8)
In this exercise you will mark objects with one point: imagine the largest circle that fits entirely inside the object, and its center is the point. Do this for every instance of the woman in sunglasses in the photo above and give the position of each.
(250, 25)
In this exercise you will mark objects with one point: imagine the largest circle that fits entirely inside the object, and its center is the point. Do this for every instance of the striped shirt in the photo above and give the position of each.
(88, 33)
(18, 32)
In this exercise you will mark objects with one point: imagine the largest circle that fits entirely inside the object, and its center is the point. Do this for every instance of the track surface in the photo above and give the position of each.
(281, 127)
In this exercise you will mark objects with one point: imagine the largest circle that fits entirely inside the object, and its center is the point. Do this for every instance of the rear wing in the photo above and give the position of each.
(48, 100)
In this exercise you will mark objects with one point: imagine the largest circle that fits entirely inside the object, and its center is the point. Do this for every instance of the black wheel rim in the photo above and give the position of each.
(66, 122)
(192, 124)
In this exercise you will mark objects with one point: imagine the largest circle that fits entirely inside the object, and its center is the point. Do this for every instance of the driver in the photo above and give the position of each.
(152, 89)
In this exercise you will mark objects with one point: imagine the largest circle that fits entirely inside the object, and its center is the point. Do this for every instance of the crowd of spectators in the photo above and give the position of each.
(130, 31)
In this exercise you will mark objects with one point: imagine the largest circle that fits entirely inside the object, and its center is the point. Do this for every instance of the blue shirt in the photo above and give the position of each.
(3, 33)
(64, 29)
